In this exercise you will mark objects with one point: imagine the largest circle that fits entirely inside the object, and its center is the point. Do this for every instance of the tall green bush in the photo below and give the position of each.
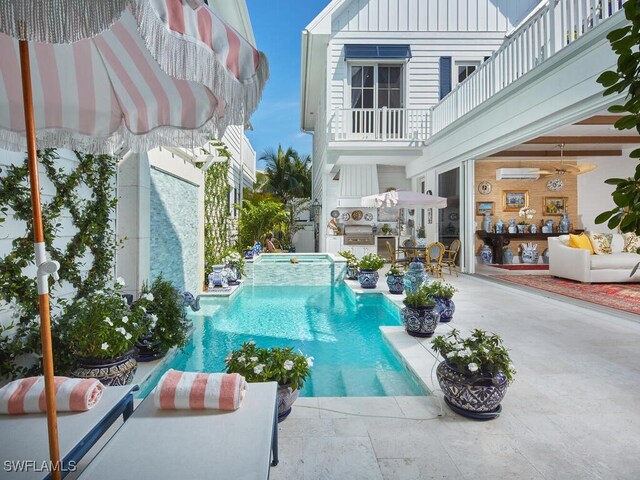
(257, 219)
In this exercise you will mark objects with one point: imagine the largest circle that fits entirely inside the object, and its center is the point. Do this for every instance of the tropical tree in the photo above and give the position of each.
(257, 219)
(625, 41)
(288, 174)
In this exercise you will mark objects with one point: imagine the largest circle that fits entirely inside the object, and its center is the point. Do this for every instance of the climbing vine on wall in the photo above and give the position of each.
(86, 260)
(217, 219)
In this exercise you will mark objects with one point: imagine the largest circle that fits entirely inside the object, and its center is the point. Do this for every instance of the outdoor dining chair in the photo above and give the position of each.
(451, 255)
(394, 256)
(433, 259)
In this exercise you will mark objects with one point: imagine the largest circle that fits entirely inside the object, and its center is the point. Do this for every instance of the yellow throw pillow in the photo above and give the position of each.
(631, 242)
(601, 242)
(580, 241)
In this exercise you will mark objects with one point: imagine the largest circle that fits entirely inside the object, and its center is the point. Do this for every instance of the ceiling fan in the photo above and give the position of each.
(566, 168)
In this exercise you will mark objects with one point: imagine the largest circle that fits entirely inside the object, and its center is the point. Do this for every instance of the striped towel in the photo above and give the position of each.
(189, 390)
(27, 395)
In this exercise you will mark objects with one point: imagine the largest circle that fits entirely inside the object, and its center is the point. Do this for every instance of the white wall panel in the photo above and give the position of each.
(431, 15)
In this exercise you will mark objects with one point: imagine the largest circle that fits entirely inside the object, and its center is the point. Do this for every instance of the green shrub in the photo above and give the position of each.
(480, 354)
(442, 289)
(352, 260)
(371, 261)
(395, 272)
(166, 316)
(421, 297)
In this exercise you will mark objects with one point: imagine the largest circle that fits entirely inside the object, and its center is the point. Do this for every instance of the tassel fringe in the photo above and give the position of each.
(45, 21)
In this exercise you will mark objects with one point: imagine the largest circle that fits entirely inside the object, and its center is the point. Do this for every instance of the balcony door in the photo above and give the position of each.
(376, 101)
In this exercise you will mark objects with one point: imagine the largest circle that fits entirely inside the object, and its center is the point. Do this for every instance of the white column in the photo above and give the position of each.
(133, 220)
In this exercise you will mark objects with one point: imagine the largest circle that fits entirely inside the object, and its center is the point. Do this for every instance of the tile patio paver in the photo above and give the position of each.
(572, 412)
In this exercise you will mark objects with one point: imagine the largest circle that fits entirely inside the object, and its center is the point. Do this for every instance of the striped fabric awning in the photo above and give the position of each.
(167, 72)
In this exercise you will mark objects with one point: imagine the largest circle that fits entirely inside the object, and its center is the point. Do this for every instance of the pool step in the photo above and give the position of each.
(325, 381)
(394, 383)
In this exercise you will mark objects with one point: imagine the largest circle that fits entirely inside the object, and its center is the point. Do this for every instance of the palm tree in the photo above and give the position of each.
(289, 175)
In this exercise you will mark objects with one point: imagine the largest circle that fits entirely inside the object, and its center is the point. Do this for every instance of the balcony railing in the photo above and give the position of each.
(380, 124)
(545, 32)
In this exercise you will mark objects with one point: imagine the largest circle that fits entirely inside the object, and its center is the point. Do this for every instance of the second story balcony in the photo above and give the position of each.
(398, 125)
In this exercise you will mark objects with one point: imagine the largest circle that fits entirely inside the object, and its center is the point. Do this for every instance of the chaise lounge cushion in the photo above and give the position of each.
(616, 261)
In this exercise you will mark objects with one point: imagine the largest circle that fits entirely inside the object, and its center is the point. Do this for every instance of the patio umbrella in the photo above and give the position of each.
(403, 199)
(115, 74)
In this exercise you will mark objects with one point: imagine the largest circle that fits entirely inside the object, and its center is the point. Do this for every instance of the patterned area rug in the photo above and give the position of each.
(621, 296)
(522, 266)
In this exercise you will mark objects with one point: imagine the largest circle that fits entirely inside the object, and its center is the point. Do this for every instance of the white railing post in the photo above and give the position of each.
(384, 123)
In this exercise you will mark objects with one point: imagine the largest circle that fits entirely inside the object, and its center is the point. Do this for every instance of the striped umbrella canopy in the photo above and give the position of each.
(105, 75)
(138, 73)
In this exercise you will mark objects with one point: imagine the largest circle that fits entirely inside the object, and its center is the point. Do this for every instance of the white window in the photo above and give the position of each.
(463, 70)
(374, 87)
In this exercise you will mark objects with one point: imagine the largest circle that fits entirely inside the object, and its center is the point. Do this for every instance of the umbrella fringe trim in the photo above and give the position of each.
(183, 58)
(160, 136)
(49, 24)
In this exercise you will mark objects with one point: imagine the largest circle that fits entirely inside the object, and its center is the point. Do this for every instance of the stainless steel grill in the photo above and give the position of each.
(358, 235)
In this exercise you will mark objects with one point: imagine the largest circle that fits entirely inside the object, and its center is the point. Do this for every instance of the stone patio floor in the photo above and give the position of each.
(573, 411)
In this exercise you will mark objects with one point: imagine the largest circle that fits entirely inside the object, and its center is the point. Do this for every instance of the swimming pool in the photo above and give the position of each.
(332, 324)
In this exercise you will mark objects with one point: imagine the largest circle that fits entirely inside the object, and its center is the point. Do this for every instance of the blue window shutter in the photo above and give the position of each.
(445, 76)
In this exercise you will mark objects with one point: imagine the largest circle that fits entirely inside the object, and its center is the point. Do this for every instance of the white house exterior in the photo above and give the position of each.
(417, 122)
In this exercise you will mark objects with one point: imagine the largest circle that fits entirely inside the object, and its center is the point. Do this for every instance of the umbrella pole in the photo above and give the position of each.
(38, 233)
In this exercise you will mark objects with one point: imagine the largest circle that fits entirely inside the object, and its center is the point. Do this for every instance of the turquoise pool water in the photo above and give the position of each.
(339, 329)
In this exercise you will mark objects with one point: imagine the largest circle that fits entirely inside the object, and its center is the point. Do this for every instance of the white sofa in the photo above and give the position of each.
(579, 264)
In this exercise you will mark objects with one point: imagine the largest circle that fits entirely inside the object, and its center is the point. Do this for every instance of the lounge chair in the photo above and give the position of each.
(24, 437)
(194, 444)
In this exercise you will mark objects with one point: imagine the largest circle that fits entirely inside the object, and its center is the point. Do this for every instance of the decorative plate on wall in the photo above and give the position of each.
(484, 188)
(356, 215)
(346, 216)
(555, 184)
(335, 213)
(453, 216)
(368, 217)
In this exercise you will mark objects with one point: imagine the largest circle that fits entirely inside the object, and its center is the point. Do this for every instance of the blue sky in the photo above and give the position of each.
(277, 25)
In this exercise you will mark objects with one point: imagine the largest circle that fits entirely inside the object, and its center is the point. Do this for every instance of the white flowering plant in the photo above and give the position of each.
(479, 355)
(102, 325)
(527, 212)
(234, 260)
(164, 313)
(281, 365)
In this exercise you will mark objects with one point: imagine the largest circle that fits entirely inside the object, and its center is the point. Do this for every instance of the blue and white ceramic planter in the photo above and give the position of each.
(351, 273)
(507, 255)
(529, 256)
(395, 284)
(420, 321)
(415, 276)
(368, 278)
(445, 307)
(474, 396)
(486, 255)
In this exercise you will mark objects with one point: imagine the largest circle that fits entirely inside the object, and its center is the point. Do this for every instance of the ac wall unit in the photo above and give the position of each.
(517, 173)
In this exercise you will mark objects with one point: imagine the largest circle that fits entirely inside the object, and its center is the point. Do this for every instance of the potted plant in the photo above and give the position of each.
(475, 372)
(443, 294)
(419, 316)
(235, 264)
(386, 229)
(395, 280)
(522, 226)
(352, 265)
(165, 319)
(101, 332)
(282, 365)
(369, 266)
